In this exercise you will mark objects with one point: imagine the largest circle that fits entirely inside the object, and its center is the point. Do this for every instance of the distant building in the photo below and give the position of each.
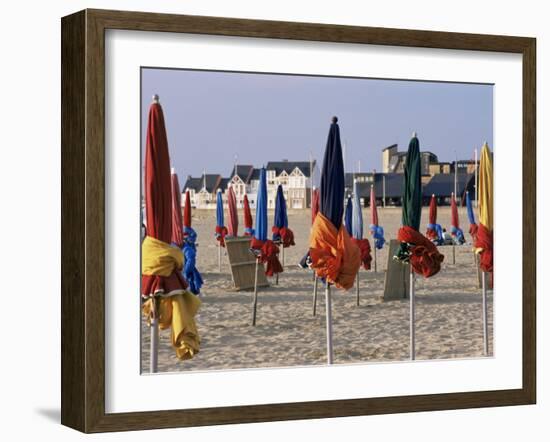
(393, 161)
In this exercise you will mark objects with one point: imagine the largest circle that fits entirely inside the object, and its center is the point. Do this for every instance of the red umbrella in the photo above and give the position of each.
(456, 231)
(233, 222)
(187, 210)
(431, 231)
(373, 209)
(177, 232)
(314, 205)
(167, 302)
(248, 229)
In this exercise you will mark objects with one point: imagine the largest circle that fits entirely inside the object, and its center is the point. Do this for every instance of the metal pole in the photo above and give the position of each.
(412, 316)
(283, 256)
(255, 303)
(384, 191)
(484, 311)
(219, 258)
(357, 288)
(153, 363)
(454, 255)
(375, 264)
(456, 171)
(328, 303)
(475, 179)
(315, 281)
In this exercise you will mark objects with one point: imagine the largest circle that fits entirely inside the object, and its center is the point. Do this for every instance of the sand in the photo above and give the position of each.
(448, 310)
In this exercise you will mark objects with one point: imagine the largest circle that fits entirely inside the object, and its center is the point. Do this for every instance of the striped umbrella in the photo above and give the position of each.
(247, 216)
(233, 223)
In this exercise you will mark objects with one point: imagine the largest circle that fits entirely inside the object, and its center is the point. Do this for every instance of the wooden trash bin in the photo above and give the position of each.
(243, 263)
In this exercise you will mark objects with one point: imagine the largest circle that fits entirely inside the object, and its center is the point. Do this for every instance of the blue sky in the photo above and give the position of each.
(211, 117)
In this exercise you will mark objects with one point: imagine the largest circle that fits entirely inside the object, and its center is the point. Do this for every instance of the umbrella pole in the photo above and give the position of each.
(154, 357)
(412, 316)
(454, 255)
(315, 283)
(484, 311)
(219, 258)
(375, 265)
(328, 307)
(255, 303)
(283, 258)
(357, 288)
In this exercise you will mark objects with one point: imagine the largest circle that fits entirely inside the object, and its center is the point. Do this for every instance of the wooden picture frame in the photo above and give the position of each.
(83, 219)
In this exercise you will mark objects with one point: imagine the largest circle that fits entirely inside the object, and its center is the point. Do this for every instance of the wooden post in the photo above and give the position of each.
(255, 303)
(315, 283)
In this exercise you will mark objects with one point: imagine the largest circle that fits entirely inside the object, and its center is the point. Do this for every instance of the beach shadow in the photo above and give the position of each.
(450, 298)
(51, 414)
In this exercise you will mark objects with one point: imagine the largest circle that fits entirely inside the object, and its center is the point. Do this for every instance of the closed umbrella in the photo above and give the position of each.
(166, 302)
(247, 217)
(233, 222)
(190, 271)
(415, 249)
(471, 216)
(456, 231)
(333, 255)
(484, 237)
(434, 232)
(281, 233)
(376, 230)
(348, 215)
(266, 250)
(314, 204)
(357, 236)
(221, 230)
(177, 224)
(305, 261)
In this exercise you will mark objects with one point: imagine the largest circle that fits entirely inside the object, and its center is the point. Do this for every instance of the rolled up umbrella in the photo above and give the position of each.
(190, 271)
(314, 205)
(281, 232)
(456, 231)
(177, 223)
(266, 250)
(247, 216)
(233, 223)
(166, 302)
(348, 216)
(434, 232)
(333, 255)
(484, 237)
(471, 216)
(376, 230)
(221, 230)
(357, 230)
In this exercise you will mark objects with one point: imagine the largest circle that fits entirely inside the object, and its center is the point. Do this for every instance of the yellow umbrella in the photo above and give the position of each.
(486, 188)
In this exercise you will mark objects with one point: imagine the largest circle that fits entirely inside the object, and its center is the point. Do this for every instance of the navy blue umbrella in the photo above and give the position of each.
(349, 216)
(260, 231)
(280, 218)
(332, 178)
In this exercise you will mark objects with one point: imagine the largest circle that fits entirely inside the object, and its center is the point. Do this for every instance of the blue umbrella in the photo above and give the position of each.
(280, 218)
(357, 220)
(219, 209)
(331, 200)
(470, 209)
(221, 231)
(349, 215)
(260, 231)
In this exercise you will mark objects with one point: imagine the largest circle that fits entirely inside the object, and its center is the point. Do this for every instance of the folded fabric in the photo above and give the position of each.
(484, 247)
(377, 233)
(473, 231)
(178, 312)
(248, 231)
(268, 254)
(284, 235)
(458, 235)
(422, 254)
(221, 233)
(333, 254)
(364, 247)
(434, 233)
(161, 264)
(192, 275)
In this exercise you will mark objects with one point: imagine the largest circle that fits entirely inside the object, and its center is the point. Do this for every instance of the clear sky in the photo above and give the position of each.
(211, 117)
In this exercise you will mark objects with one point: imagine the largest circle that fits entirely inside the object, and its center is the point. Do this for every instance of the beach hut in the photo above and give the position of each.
(333, 255)
(233, 222)
(190, 271)
(266, 251)
(434, 232)
(415, 249)
(221, 230)
(376, 230)
(484, 234)
(165, 300)
(357, 237)
(247, 218)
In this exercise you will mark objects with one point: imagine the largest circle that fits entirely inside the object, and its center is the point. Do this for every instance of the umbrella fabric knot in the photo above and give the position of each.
(364, 248)
(484, 247)
(334, 256)
(268, 254)
(159, 258)
(473, 231)
(458, 235)
(221, 232)
(422, 254)
(434, 233)
(248, 231)
(284, 235)
(377, 233)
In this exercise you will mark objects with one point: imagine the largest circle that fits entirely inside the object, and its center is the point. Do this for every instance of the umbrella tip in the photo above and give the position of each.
(173, 170)
(414, 134)
(433, 195)
(335, 119)
(156, 98)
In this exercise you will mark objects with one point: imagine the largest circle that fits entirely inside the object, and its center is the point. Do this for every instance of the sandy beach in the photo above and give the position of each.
(448, 309)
